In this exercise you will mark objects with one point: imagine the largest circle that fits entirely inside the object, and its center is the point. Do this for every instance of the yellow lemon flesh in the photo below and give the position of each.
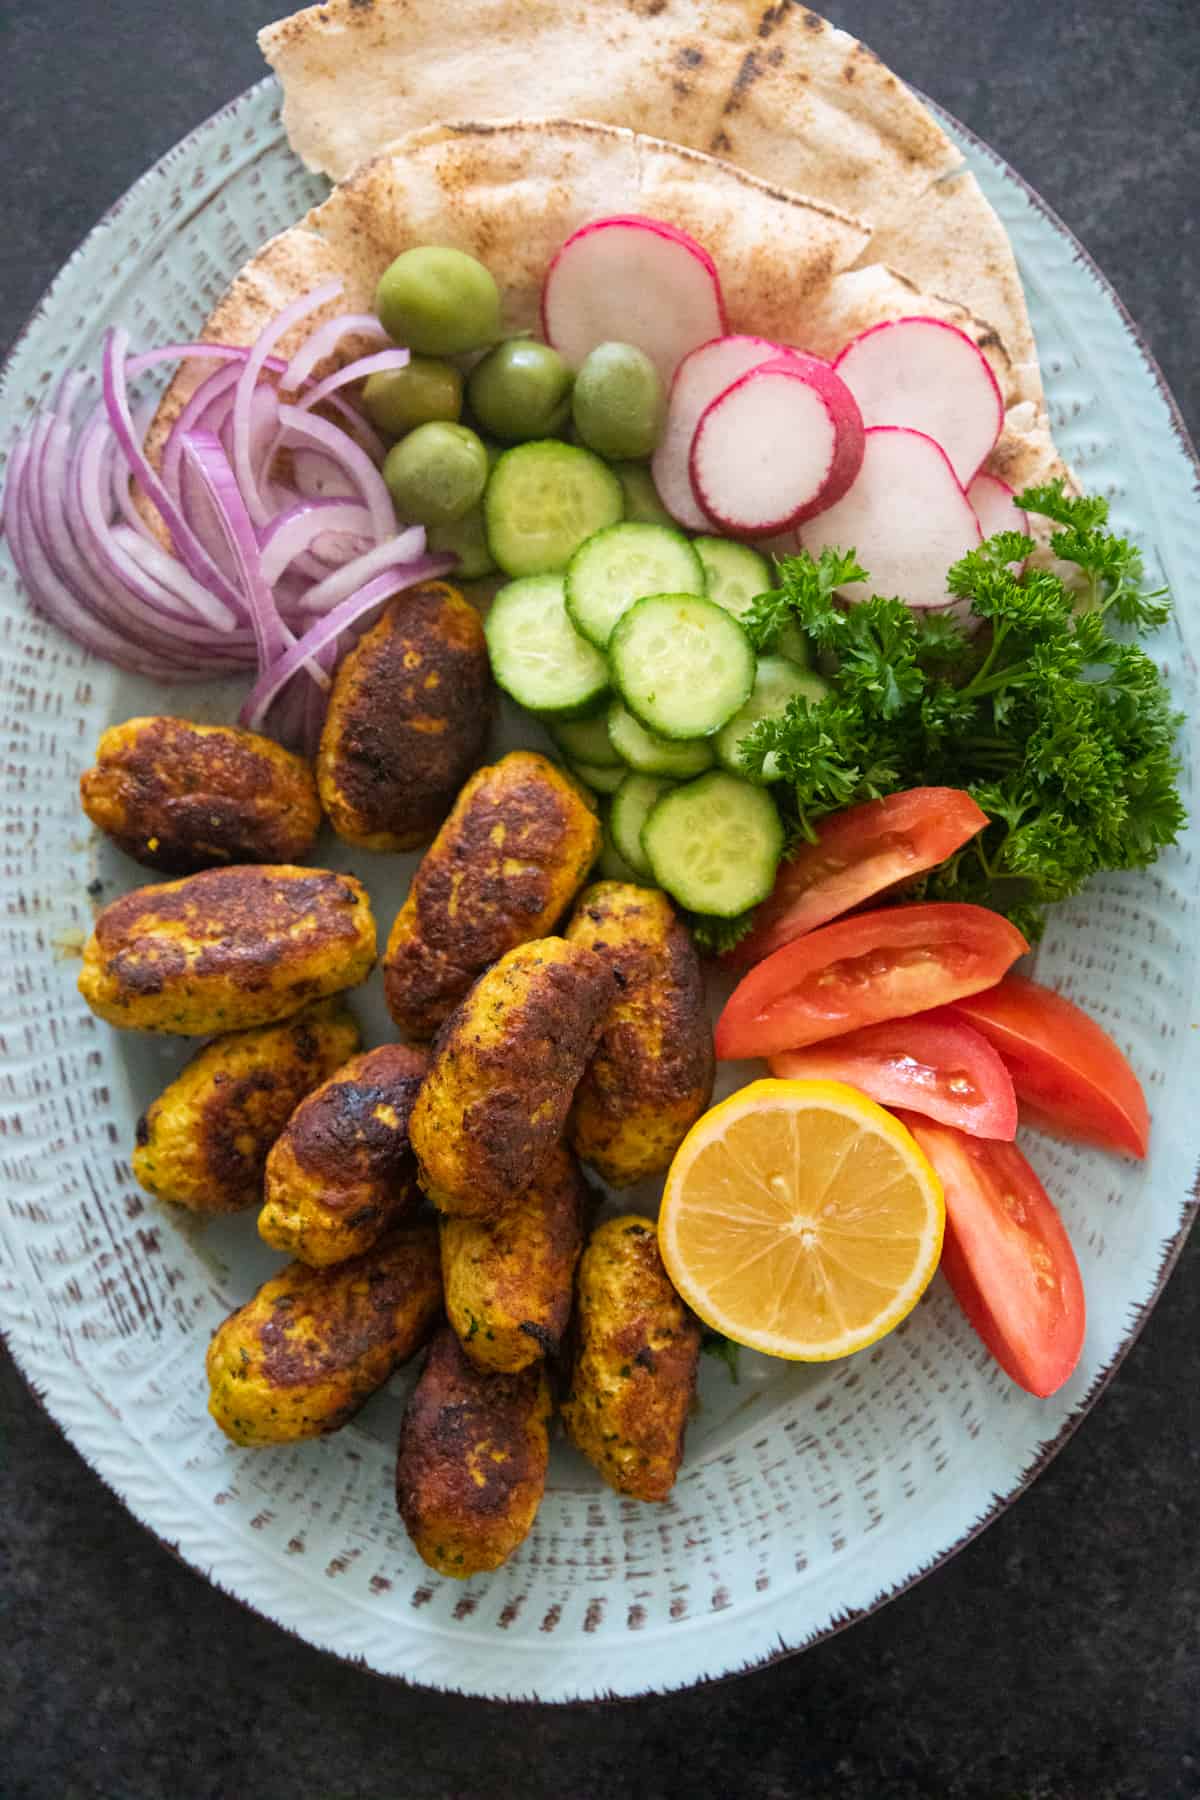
(801, 1219)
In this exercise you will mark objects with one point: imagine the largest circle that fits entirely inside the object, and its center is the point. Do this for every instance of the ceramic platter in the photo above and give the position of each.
(808, 1495)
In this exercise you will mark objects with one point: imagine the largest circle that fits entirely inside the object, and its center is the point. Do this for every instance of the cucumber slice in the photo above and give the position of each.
(543, 500)
(611, 865)
(601, 781)
(736, 575)
(536, 653)
(632, 805)
(776, 682)
(639, 749)
(620, 565)
(715, 844)
(682, 665)
(641, 496)
(585, 741)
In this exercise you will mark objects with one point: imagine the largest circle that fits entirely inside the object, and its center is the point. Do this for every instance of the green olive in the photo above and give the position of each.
(467, 538)
(521, 390)
(398, 400)
(436, 474)
(618, 402)
(440, 302)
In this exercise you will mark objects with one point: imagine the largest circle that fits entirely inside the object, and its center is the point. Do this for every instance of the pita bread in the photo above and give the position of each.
(509, 193)
(770, 87)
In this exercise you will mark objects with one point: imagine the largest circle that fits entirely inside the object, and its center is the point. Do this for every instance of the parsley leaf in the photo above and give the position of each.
(724, 1350)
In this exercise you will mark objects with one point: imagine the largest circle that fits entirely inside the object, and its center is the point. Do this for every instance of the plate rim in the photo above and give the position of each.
(1173, 1247)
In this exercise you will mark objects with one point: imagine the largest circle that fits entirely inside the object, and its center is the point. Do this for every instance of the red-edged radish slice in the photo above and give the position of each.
(995, 505)
(906, 516)
(703, 374)
(632, 280)
(780, 445)
(929, 376)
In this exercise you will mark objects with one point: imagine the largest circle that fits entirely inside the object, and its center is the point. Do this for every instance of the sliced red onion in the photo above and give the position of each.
(396, 553)
(326, 631)
(203, 452)
(324, 341)
(292, 533)
(382, 361)
(243, 398)
(319, 477)
(364, 435)
(305, 428)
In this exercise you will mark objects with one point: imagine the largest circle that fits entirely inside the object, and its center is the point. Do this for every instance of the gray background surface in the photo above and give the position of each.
(1057, 1657)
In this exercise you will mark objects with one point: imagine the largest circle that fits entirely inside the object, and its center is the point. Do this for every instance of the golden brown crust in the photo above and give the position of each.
(408, 720)
(343, 1172)
(228, 948)
(505, 1067)
(634, 1363)
(504, 867)
(471, 1467)
(203, 1143)
(302, 1356)
(509, 1280)
(179, 797)
(652, 1074)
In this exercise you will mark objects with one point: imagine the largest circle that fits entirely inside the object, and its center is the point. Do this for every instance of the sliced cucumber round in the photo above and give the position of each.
(622, 564)
(585, 741)
(632, 804)
(681, 664)
(543, 500)
(715, 844)
(536, 653)
(776, 682)
(736, 575)
(611, 865)
(639, 749)
(601, 781)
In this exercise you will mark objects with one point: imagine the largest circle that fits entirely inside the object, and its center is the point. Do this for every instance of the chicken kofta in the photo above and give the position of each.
(509, 1279)
(471, 1468)
(227, 949)
(343, 1172)
(633, 1369)
(180, 797)
(652, 1074)
(299, 1359)
(408, 720)
(504, 867)
(203, 1143)
(504, 1071)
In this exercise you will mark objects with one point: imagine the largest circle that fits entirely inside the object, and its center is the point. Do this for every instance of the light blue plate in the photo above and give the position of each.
(809, 1496)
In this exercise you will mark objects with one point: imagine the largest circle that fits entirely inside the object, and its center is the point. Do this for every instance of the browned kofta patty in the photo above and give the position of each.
(471, 1468)
(408, 720)
(179, 797)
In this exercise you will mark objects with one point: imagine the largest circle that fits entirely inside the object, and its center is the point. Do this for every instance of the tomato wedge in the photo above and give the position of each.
(1007, 1256)
(932, 1064)
(1069, 1076)
(860, 853)
(862, 970)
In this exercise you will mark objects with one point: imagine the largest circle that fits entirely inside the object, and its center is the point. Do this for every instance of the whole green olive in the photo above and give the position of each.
(467, 539)
(436, 474)
(521, 390)
(438, 301)
(618, 403)
(398, 400)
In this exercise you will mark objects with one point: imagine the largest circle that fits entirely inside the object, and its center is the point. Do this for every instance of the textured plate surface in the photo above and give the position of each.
(808, 1495)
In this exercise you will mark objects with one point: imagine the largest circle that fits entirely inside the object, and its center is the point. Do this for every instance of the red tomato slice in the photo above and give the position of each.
(862, 970)
(1069, 1075)
(1007, 1256)
(861, 852)
(932, 1064)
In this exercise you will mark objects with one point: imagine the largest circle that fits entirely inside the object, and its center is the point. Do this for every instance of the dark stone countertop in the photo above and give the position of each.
(1057, 1657)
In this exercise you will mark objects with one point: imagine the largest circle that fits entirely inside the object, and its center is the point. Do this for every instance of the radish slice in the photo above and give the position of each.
(906, 516)
(633, 281)
(700, 377)
(780, 445)
(995, 506)
(929, 376)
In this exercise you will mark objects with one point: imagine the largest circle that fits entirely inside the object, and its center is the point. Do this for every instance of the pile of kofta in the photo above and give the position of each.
(525, 1055)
